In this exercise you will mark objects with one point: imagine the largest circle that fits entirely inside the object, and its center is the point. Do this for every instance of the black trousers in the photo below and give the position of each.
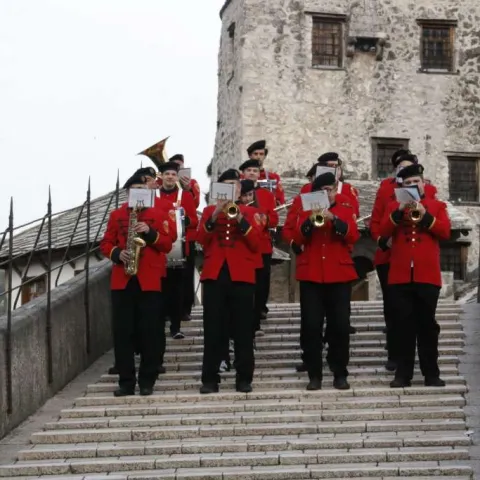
(415, 305)
(262, 288)
(330, 300)
(227, 302)
(135, 320)
(388, 311)
(173, 288)
(189, 281)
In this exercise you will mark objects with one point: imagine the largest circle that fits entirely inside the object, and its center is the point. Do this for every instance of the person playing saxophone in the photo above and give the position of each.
(136, 240)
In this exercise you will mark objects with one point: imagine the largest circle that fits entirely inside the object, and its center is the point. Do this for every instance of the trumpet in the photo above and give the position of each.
(285, 205)
(317, 218)
(231, 210)
(414, 214)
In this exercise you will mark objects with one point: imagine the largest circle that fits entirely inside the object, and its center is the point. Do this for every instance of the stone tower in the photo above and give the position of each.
(361, 77)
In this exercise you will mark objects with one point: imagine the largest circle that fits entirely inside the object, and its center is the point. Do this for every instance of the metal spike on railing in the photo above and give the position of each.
(117, 189)
(8, 339)
(49, 290)
(87, 273)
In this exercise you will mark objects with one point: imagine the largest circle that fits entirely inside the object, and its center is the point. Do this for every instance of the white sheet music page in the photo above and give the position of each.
(141, 198)
(185, 172)
(222, 191)
(315, 200)
(321, 170)
(407, 194)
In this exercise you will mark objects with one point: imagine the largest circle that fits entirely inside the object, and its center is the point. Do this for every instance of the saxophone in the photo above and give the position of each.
(134, 244)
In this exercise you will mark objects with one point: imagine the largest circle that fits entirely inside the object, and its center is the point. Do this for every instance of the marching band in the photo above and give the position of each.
(151, 240)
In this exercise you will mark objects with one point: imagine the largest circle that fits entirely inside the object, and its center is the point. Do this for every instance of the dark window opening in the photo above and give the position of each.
(437, 46)
(327, 43)
(453, 258)
(382, 151)
(463, 179)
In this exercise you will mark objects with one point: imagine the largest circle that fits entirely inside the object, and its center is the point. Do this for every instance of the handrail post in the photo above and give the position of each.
(87, 275)
(49, 290)
(8, 339)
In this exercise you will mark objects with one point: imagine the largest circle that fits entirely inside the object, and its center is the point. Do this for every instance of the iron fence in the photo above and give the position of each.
(37, 241)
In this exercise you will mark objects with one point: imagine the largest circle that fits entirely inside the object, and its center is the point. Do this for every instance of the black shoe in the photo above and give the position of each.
(187, 317)
(352, 330)
(434, 382)
(178, 336)
(314, 384)
(243, 387)
(398, 382)
(113, 370)
(391, 366)
(384, 330)
(340, 383)
(123, 392)
(145, 391)
(207, 388)
(301, 368)
(161, 370)
(263, 315)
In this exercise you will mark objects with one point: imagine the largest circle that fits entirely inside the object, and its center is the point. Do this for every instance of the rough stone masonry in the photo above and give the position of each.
(269, 89)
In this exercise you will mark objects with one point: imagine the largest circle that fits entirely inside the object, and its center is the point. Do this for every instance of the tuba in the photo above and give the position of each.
(134, 244)
(156, 153)
(317, 218)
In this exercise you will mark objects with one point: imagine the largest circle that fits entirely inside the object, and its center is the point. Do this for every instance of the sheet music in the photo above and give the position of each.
(222, 191)
(185, 172)
(315, 200)
(141, 198)
(321, 170)
(407, 194)
(339, 187)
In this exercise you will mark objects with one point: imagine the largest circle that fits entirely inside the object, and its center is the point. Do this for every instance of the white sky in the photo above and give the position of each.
(87, 84)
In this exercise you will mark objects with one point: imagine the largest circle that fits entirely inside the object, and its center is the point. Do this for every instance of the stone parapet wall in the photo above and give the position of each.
(69, 353)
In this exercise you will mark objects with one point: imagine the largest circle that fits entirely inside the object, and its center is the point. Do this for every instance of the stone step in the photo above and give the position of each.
(407, 401)
(298, 382)
(361, 327)
(238, 429)
(377, 335)
(257, 459)
(446, 370)
(249, 418)
(171, 357)
(262, 465)
(262, 343)
(299, 395)
(236, 445)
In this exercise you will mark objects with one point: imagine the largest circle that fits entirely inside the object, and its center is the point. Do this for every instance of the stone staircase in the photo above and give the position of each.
(280, 431)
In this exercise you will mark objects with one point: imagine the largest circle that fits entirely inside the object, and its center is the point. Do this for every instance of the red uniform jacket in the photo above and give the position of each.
(347, 190)
(265, 203)
(326, 251)
(278, 192)
(188, 205)
(385, 195)
(152, 257)
(166, 206)
(194, 190)
(290, 224)
(415, 253)
(228, 241)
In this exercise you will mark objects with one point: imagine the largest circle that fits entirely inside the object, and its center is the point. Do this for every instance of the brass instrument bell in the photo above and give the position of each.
(317, 218)
(414, 214)
(231, 210)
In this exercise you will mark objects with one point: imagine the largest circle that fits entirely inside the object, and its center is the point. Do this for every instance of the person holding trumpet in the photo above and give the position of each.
(414, 278)
(325, 271)
(229, 234)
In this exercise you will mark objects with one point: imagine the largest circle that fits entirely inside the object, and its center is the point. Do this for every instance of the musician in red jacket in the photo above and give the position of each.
(230, 248)
(415, 278)
(174, 282)
(259, 151)
(385, 195)
(189, 185)
(136, 299)
(325, 271)
(265, 203)
(165, 206)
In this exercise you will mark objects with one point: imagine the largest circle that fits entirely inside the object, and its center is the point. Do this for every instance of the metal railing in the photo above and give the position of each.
(17, 256)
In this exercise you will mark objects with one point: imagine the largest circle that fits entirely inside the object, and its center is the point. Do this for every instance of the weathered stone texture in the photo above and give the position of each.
(302, 111)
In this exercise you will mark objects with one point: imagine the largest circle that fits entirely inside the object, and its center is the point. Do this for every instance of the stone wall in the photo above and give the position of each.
(29, 346)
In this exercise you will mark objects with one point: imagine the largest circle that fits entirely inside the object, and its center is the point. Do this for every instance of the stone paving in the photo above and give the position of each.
(278, 431)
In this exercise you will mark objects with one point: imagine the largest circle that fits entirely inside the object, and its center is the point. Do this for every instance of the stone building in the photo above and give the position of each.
(361, 77)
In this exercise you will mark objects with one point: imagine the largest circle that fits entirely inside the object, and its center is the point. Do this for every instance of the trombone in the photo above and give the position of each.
(285, 205)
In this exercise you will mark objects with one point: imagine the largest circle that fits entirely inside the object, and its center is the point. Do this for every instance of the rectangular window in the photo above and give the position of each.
(327, 42)
(463, 179)
(33, 289)
(437, 45)
(382, 151)
(453, 258)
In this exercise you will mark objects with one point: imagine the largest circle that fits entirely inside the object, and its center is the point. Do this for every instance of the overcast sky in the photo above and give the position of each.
(87, 84)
